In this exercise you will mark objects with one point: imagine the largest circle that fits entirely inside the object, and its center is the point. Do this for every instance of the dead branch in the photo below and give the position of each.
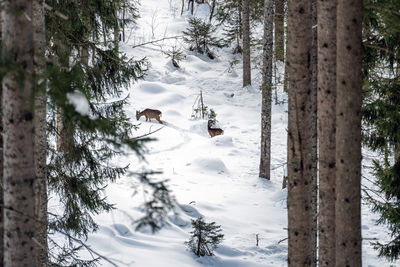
(56, 12)
(159, 40)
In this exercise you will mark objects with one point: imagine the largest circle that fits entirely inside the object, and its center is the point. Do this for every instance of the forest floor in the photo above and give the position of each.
(216, 178)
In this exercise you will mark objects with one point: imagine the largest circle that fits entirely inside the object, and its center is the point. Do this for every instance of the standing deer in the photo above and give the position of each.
(149, 114)
(214, 131)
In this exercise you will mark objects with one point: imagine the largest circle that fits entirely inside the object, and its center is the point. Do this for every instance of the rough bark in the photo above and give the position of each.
(348, 133)
(279, 29)
(327, 129)
(40, 133)
(19, 166)
(65, 129)
(266, 87)
(246, 43)
(311, 145)
(1, 163)
(300, 211)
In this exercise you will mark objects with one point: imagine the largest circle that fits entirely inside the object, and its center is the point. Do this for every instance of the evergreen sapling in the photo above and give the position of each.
(205, 237)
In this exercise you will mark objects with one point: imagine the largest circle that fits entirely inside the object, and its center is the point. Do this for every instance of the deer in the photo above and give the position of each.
(214, 131)
(149, 114)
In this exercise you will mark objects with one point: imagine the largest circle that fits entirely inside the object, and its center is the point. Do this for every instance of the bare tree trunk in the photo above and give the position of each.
(40, 133)
(19, 165)
(183, 5)
(123, 25)
(65, 129)
(246, 43)
(1, 162)
(191, 5)
(116, 31)
(300, 206)
(85, 55)
(212, 9)
(279, 29)
(285, 75)
(266, 87)
(327, 129)
(348, 133)
(311, 145)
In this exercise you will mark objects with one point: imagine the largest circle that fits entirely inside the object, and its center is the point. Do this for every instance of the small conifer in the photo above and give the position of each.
(205, 237)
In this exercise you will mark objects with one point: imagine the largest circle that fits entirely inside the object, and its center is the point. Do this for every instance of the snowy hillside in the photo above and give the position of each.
(212, 177)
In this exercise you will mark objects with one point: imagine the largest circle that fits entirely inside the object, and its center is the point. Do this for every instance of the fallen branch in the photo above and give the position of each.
(141, 136)
(159, 40)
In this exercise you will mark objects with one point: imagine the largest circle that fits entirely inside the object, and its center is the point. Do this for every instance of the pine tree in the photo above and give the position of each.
(229, 16)
(1, 155)
(279, 29)
(18, 114)
(266, 87)
(327, 129)
(381, 115)
(246, 43)
(40, 125)
(87, 64)
(199, 37)
(205, 237)
(311, 142)
(348, 133)
(300, 207)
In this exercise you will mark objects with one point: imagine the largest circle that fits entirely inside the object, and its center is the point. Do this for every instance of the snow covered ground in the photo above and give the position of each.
(212, 177)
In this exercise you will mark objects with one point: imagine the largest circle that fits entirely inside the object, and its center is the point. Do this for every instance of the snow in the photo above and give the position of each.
(80, 102)
(216, 178)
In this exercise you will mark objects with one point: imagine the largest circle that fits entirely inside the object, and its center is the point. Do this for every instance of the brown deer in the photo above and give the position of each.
(149, 114)
(214, 131)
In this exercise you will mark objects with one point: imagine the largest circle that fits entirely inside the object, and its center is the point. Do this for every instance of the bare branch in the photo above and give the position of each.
(159, 40)
(151, 132)
(56, 12)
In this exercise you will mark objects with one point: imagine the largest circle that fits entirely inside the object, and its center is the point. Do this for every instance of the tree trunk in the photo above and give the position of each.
(191, 5)
(300, 206)
(279, 29)
(40, 133)
(65, 129)
(212, 9)
(327, 129)
(123, 25)
(1, 164)
(85, 55)
(266, 87)
(19, 165)
(246, 43)
(116, 31)
(348, 133)
(311, 145)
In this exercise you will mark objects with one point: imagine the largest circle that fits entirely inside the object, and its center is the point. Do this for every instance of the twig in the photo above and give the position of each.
(370, 238)
(88, 248)
(159, 40)
(141, 136)
(56, 12)
(280, 241)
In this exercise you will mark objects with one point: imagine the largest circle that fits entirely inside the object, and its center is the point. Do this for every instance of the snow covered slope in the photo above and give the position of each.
(212, 177)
